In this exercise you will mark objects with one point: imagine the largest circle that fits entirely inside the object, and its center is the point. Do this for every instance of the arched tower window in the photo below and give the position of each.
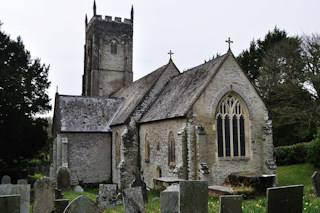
(118, 149)
(114, 47)
(147, 149)
(232, 127)
(171, 149)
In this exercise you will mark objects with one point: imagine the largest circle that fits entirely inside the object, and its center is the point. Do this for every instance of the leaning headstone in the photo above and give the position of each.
(6, 180)
(58, 194)
(133, 200)
(78, 189)
(169, 200)
(285, 199)
(139, 182)
(193, 196)
(10, 203)
(22, 181)
(107, 196)
(81, 204)
(22, 189)
(60, 205)
(43, 195)
(231, 203)
(63, 178)
(316, 183)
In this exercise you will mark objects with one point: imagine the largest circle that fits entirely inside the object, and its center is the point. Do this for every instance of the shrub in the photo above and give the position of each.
(314, 151)
(293, 154)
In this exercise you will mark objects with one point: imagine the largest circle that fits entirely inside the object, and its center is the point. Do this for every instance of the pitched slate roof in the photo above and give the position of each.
(134, 93)
(87, 114)
(182, 91)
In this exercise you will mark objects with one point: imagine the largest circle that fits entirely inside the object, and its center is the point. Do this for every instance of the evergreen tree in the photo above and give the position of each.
(23, 94)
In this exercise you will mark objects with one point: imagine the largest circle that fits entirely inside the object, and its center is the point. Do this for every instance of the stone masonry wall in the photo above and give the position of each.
(158, 133)
(259, 149)
(89, 157)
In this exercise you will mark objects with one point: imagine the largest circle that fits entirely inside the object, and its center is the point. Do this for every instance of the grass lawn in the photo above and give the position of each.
(287, 175)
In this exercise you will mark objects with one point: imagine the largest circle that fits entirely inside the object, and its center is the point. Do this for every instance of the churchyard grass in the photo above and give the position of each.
(287, 175)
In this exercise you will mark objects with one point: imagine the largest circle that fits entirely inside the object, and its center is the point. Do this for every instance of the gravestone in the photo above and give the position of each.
(316, 183)
(107, 196)
(285, 199)
(78, 189)
(22, 189)
(60, 205)
(58, 194)
(63, 178)
(139, 182)
(193, 196)
(169, 199)
(22, 181)
(10, 203)
(6, 180)
(81, 204)
(44, 195)
(231, 203)
(133, 200)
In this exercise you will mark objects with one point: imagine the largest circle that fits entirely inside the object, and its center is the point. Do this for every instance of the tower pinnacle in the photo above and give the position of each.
(94, 8)
(132, 13)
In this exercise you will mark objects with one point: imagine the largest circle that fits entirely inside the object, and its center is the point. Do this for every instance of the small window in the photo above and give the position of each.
(147, 149)
(114, 47)
(171, 150)
(118, 149)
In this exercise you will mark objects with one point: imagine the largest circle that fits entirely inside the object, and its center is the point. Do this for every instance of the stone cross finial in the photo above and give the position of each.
(229, 41)
(170, 53)
(94, 8)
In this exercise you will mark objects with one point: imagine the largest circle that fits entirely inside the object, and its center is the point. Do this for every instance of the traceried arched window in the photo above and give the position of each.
(147, 149)
(118, 149)
(171, 149)
(231, 124)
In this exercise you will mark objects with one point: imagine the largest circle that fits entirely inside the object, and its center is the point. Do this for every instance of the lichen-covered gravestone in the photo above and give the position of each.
(22, 189)
(63, 178)
(78, 189)
(139, 182)
(169, 199)
(193, 196)
(285, 199)
(10, 203)
(133, 200)
(22, 181)
(231, 203)
(107, 196)
(44, 195)
(6, 180)
(82, 204)
(316, 183)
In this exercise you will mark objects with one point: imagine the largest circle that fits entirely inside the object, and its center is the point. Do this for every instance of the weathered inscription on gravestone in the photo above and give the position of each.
(60, 205)
(22, 189)
(285, 199)
(82, 204)
(10, 203)
(169, 199)
(107, 196)
(63, 178)
(44, 196)
(316, 183)
(133, 200)
(193, 196)
(5, 179)
(139, 182)
(231, 203)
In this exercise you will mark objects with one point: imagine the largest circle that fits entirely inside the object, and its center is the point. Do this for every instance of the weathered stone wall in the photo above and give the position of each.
(158, 133)
(259, 146)
(87, 155)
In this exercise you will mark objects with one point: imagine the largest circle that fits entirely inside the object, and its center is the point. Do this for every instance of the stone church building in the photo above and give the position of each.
(200, 124)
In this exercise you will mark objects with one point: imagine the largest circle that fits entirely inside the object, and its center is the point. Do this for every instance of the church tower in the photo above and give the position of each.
(107, 54)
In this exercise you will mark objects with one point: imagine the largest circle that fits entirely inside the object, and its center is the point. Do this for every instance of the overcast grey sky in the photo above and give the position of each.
(193, 30)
